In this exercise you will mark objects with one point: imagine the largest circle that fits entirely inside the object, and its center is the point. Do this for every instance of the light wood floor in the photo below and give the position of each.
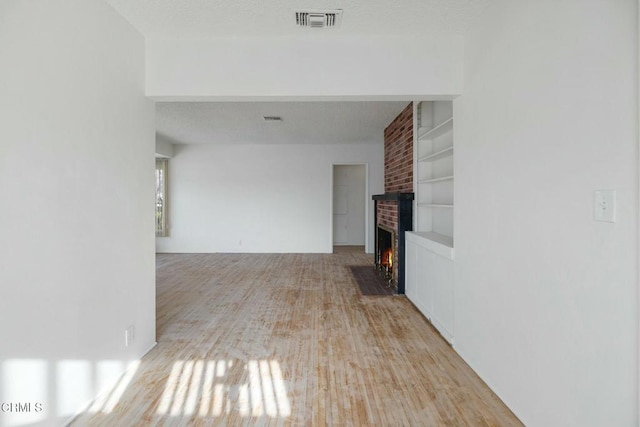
(272, 339)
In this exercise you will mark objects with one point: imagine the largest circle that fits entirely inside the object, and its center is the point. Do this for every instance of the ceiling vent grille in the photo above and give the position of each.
(312, 18)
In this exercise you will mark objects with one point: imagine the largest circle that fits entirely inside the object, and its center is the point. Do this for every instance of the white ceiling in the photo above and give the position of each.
(302, 122)
(215, 18)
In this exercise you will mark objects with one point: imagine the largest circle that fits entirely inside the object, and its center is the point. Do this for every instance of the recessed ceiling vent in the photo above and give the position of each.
(315, 18)
(272, 118)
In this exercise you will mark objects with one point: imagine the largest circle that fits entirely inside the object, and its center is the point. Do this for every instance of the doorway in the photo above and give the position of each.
(349, 205)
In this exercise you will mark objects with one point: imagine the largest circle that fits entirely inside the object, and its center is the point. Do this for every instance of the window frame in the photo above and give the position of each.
(162, 166)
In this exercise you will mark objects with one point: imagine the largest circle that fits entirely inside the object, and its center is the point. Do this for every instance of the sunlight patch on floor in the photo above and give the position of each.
(206, 389)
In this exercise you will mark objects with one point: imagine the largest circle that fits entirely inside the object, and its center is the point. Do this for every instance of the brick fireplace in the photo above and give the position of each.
(394, 208)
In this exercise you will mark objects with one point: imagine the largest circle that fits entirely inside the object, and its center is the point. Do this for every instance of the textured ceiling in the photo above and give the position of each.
(214, 18)
(302, 122)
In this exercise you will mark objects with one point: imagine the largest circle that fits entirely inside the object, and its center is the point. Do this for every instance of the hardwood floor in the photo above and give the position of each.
(287, 339)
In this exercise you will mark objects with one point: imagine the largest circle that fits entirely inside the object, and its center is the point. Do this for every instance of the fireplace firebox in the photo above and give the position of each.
(403, 221)
(385, 251)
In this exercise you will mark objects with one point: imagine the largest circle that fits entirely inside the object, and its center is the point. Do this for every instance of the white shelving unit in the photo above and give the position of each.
(429, 249)
(433, 187)
(437, 155)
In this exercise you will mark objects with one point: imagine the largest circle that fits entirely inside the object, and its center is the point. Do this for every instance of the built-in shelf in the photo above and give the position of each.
(429, 249)
(434, 205)
(436, 156)
(435, 237)
(441, 129)
(435, 242)
(432, 180)
(434, 167)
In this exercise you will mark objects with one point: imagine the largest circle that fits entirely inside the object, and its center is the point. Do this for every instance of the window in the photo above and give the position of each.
(161, 197)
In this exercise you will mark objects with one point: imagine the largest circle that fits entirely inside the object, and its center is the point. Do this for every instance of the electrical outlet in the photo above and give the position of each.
(129, 335)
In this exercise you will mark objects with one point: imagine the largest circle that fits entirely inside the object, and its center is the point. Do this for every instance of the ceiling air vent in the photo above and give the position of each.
(318, 18)
(272, 118)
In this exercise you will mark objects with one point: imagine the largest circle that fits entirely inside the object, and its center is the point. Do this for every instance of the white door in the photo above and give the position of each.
(349, 202)
(340, 213)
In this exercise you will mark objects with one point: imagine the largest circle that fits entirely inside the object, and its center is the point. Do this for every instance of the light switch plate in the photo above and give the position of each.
(604, 205)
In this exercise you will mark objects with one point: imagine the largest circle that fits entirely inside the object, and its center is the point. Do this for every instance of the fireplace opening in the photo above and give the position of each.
(385, 250)
(393, 217)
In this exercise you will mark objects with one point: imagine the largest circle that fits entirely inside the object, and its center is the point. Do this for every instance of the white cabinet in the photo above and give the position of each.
(429, 281)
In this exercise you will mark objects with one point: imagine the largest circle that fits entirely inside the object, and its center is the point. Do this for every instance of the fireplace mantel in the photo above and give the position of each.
(393, 196)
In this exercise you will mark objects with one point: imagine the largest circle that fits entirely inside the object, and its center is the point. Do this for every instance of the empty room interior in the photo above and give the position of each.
(319, 213)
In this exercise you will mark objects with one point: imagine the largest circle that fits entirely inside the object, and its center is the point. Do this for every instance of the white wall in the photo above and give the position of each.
(546, 299)
(259, 197)
(76, 217)
(307, 66)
